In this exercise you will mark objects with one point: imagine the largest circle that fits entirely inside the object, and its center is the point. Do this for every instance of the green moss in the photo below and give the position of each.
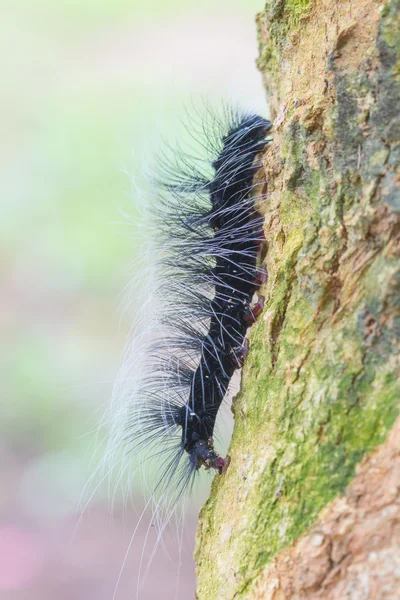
(295, 10)
(341, 408)
(284, 17)
(390, 25)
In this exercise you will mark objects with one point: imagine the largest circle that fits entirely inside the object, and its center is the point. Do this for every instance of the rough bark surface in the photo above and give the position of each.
(353, 551)
(321, 387)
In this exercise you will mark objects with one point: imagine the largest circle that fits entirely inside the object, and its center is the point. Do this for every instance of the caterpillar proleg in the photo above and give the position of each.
(208, 244)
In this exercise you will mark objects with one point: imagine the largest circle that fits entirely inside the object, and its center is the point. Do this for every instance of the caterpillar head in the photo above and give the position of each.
(197, 442)
(203, 454)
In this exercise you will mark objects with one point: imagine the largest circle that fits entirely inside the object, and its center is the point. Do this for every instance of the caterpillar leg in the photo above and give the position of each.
(261, 276)
(241, 353)
(221, 464)
(261, 244)
(251, 314)
(260, 239)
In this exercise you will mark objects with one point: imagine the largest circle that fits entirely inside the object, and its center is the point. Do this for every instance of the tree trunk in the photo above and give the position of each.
(310, 504)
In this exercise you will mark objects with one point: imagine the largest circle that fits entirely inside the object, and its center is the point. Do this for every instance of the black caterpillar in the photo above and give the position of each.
(210, 245)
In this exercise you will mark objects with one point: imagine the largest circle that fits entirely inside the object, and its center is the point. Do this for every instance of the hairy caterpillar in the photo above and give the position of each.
(208, 241)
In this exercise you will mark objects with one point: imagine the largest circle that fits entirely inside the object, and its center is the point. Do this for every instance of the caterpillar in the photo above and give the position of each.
(209, 244)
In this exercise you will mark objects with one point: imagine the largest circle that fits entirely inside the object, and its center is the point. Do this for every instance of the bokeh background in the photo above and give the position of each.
(89, 88)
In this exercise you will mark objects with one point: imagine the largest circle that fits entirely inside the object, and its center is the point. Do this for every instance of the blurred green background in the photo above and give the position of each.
(88, 91)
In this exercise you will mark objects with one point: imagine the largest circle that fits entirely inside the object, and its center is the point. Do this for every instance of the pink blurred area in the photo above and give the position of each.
(100, 560)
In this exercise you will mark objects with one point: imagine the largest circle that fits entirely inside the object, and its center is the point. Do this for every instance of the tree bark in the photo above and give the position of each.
(310, 504)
